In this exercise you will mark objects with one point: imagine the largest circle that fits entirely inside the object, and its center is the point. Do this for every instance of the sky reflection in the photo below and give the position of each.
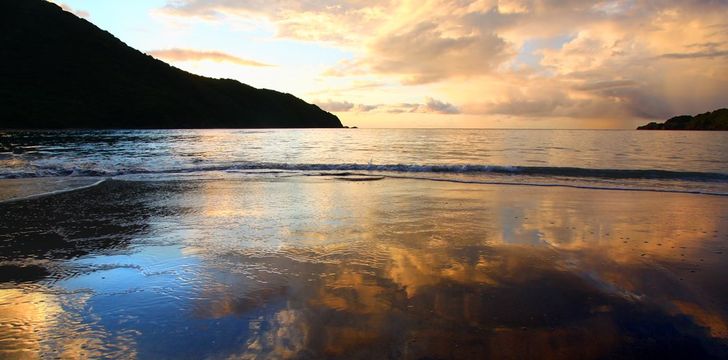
(316, 266)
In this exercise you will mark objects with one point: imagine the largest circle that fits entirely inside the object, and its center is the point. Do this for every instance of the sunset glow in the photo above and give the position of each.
(481, 63)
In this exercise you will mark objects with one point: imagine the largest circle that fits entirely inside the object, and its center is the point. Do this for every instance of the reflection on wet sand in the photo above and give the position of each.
(35, 324)
(319, 267)
(463, 272)
(523, 308)
(37, 238)
(24, 319)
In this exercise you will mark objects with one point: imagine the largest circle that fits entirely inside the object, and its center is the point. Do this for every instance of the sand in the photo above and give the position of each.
(314, 267)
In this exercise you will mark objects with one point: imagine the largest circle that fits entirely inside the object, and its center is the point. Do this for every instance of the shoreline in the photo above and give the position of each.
(19, 189)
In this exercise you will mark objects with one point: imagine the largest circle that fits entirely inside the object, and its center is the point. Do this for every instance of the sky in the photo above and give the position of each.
(458, 63)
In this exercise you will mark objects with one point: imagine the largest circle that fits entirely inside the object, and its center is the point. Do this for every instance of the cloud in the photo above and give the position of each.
(353, 87)
(79, 13)
(548, 102)
(605, 85)
(694, 55)
(619, 100)
(440, 107)
(401, 39)
(298, 19)
(425, 53)
(618, 59)
(335, 106)
(345, 106)
(196, 55)
(430, 106)
(365, 108)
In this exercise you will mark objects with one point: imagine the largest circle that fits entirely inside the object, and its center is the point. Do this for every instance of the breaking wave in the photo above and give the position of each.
(542, 171)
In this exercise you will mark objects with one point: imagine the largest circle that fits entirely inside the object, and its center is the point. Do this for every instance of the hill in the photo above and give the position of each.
(715, 120)
(60, 71)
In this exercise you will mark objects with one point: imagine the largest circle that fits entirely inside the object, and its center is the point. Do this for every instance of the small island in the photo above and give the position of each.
(714, 120)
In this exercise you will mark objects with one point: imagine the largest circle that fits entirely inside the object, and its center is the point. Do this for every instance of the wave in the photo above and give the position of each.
(543, 171)
(573, 186)
(508, 170)
(49, 193)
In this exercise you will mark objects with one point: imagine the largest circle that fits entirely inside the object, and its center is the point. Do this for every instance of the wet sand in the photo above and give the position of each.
(312, 267)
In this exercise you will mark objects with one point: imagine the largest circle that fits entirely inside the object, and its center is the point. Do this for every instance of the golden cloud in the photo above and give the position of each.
(196, 55)
(621, 60)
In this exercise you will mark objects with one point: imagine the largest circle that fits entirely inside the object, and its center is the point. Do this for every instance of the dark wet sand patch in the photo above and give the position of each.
(360, 178)
(26, 273)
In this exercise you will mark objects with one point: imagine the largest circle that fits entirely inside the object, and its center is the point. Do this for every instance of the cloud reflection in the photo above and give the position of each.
(465, 270)
(315, 266)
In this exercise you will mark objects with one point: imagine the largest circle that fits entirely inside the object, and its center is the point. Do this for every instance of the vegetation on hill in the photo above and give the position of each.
(60, 71)
(715, 120)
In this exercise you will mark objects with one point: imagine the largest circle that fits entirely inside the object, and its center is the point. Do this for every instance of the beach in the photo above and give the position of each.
(261, 266)
(219, 180)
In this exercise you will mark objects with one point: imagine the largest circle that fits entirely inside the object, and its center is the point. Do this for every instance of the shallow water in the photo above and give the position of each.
(270, 266)
(655, 160)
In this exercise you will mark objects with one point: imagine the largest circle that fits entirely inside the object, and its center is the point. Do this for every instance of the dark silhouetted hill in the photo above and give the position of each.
(60, 71)
(715, 120)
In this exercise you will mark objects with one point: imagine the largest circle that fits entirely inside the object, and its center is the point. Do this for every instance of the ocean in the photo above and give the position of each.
(678, 161)
(363, 244)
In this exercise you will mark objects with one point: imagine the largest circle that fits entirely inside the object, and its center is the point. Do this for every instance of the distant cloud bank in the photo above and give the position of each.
(431, 106)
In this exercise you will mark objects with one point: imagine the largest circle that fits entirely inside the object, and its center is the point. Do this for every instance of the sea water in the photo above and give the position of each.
(623, 159)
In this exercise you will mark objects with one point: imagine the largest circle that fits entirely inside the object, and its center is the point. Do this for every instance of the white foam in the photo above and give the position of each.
(48, 193)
